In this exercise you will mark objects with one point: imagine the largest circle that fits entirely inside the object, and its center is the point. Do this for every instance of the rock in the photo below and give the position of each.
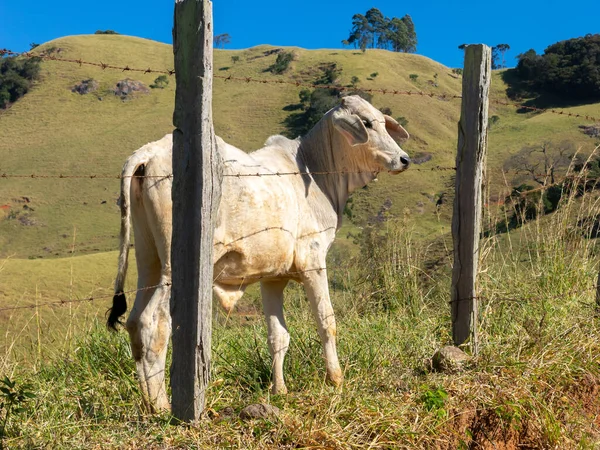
(449, 359)
(85, 87)
(226, 413)
(259, 411)
(590, 130)
(128, 87)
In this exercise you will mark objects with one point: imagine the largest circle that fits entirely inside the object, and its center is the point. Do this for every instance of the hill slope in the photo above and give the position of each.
(53, 130)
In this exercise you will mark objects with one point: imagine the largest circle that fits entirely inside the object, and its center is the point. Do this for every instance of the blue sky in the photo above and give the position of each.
(441, 25)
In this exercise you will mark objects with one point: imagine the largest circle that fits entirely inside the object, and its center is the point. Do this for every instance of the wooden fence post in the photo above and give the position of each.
(466, 220)
(197, 176)
(598, 295)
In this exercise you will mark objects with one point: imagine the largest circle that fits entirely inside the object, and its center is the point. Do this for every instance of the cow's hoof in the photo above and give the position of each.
(335, 377)
(279, 390)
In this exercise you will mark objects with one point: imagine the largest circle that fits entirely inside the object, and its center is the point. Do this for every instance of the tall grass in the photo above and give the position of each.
(534, 384)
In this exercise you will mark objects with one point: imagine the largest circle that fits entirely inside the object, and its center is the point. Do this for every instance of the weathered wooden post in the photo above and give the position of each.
(470, 164)
(197, 176)
(598, 296)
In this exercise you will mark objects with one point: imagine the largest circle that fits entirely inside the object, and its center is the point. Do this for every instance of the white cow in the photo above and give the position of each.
(269, 229)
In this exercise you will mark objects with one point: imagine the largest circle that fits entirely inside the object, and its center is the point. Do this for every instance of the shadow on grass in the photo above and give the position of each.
(522, 92)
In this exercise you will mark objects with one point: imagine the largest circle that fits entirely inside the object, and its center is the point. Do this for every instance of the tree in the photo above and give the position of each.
(541, 162)
(495, 58)
(377, 27)
(33, 45)
(361, 30)
(220, 40)
(397, 35)
(503, 48)
(569, 68)
(462, 46)
(376, 31)
(411, 45)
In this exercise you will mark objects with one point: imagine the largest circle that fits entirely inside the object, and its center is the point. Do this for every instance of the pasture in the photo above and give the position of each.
(535, 383)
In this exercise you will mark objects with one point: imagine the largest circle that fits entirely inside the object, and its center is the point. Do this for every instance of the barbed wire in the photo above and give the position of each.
(440, 96)
(545, 110)
(230, 175)
(529, 298)
(170, 72)
(78, 300)
(80, 62)
(242, 279)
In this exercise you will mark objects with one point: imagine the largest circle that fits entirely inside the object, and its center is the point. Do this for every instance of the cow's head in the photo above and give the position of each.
(373, 134)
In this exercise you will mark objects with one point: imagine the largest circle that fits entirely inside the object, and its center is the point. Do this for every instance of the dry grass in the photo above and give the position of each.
(535, 383)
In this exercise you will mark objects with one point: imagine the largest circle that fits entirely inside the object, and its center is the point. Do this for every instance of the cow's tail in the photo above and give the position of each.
(132, 168)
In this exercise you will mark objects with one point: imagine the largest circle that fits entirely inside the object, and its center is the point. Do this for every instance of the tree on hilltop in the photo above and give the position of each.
(374, 30)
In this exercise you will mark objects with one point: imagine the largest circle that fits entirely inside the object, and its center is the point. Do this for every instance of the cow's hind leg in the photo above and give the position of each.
(317, 290)
(149, 323)
(279, 338)
(149, 331)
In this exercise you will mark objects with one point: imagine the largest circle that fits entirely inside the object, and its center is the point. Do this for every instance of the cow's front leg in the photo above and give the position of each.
(317, 290)
(279, 338)
(149, 326)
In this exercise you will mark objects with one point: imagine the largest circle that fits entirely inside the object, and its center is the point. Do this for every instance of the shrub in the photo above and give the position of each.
(106, 32)
(493, 121)
(386, 110)
(354, 80)
(16, 78)
(235, 59)
(160, 83)
(374, 74)
(282, 63)
(413, 76)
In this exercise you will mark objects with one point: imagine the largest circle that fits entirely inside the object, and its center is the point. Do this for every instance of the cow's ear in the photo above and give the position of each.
(351, 127)
(395, 129)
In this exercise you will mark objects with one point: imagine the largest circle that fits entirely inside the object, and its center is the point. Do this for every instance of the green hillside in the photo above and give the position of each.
(55, 131)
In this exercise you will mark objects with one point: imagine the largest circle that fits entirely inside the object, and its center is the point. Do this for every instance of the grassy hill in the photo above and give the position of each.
(53, 130)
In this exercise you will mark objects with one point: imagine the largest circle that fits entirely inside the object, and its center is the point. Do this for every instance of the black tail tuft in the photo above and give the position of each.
(118, 309)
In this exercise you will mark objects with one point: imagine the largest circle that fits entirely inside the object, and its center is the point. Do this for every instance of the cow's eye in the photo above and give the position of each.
(367, 124)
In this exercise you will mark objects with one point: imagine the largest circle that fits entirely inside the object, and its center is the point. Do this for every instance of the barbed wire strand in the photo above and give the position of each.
(78, 300)
(545, 110)
(132, 291)
(530, 298)
(61, 302)
(230, 175)
(170, 72)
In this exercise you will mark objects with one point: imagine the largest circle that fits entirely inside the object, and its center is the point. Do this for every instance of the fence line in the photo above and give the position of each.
(78, 300)
(439, 96)
(230, 175)
(104, 66)
(527, 299)
(329, 269)
(132, 291)
(545, 110)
